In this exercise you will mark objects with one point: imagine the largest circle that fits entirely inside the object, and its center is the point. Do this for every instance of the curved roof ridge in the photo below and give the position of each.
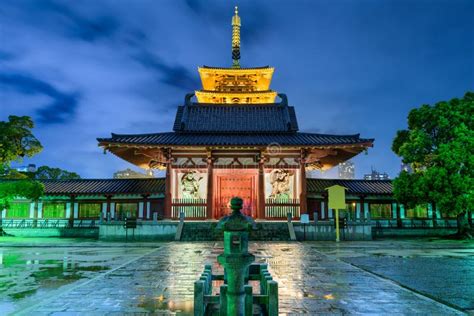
(335, 135)
(98, 179)
(243, 105)
(236, 132)
(241, 68)
(351, 180)
(128, 135)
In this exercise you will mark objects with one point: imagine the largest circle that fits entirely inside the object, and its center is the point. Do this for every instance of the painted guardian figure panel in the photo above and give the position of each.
(191, 185)
(280, 184)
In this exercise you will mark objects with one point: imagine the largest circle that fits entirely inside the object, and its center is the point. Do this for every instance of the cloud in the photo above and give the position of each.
(133, 61)
(6, 56)
(195, 6)
(174, 75)
(254, 16)
(60, 109)
(87, 29)
(255, 24)
(77, 22)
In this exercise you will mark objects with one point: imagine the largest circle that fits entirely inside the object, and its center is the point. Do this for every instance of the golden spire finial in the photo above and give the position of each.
(236, 39)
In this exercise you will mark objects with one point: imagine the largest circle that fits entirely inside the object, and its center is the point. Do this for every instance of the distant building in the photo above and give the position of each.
(406, 167)
(346, 170)
(375, 175)
(29, 168)
(131, 174)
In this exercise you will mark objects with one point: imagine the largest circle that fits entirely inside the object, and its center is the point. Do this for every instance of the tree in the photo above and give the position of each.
(439, 145)
(16, 142)
(45, 173)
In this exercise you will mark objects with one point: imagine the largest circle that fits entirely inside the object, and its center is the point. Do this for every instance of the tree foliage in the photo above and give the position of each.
(439, 145)
(45, 173)
(17, 141)
(25, 188)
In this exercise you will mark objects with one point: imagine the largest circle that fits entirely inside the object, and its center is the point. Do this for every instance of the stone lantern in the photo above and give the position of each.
(236, 259)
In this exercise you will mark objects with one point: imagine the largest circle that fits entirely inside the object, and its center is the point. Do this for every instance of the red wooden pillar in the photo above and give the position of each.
(261, 189)
(210, 186)
(303, 201)
(167, 212)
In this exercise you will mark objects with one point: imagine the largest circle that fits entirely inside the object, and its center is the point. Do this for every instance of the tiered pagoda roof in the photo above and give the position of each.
(235, 109)
(212, 118)
(236, 139)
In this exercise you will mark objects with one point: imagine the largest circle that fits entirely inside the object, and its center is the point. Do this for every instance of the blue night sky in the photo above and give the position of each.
(84, 69)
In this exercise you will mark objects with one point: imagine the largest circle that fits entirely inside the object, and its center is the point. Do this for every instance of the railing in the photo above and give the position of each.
(86, 223)
(192, 208)
(48, 223)
(413, 223)
(266, 298)
(276, 208)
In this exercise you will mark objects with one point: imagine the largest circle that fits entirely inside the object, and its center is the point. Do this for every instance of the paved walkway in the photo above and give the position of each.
(311, 280)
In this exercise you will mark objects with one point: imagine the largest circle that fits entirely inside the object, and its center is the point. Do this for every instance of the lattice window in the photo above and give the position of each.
(380, 210)
(123, 210)
(420, 211)
(18, 210)
(90, 210)
(54, 210)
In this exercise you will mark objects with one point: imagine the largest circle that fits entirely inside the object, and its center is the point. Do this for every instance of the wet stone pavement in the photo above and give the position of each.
(314, 278)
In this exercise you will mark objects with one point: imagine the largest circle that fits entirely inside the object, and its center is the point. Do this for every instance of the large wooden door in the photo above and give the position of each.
(231, 185)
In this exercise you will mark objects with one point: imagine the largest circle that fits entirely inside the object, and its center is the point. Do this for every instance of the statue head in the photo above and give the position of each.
(236, 204)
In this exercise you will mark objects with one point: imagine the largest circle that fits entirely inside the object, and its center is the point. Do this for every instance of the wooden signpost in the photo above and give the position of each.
(337, 201)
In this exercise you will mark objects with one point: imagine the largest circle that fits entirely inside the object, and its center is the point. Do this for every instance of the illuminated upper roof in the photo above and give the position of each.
(236, 85)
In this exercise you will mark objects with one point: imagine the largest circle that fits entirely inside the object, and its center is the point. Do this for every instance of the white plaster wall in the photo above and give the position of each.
(40, 209)
(140, 209)
(76, 210)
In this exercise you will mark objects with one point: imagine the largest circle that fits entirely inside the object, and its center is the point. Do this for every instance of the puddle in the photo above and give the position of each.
(160, 303)
(29, 274)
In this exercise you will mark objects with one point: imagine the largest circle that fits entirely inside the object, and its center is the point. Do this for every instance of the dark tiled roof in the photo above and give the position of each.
(104, 186)
(235, 139)
(157, 185)
(375, 187)
(235, 118)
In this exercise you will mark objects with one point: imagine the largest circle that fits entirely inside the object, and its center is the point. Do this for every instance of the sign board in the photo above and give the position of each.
(130, 222)
(304, 219)
(337, 197)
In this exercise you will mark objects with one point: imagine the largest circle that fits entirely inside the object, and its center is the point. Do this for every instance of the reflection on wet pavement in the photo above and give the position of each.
(28, 274)
(312, 279)
(443, 269)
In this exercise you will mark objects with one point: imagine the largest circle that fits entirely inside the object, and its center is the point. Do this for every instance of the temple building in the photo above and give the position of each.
(234, 137)
(238, 138)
